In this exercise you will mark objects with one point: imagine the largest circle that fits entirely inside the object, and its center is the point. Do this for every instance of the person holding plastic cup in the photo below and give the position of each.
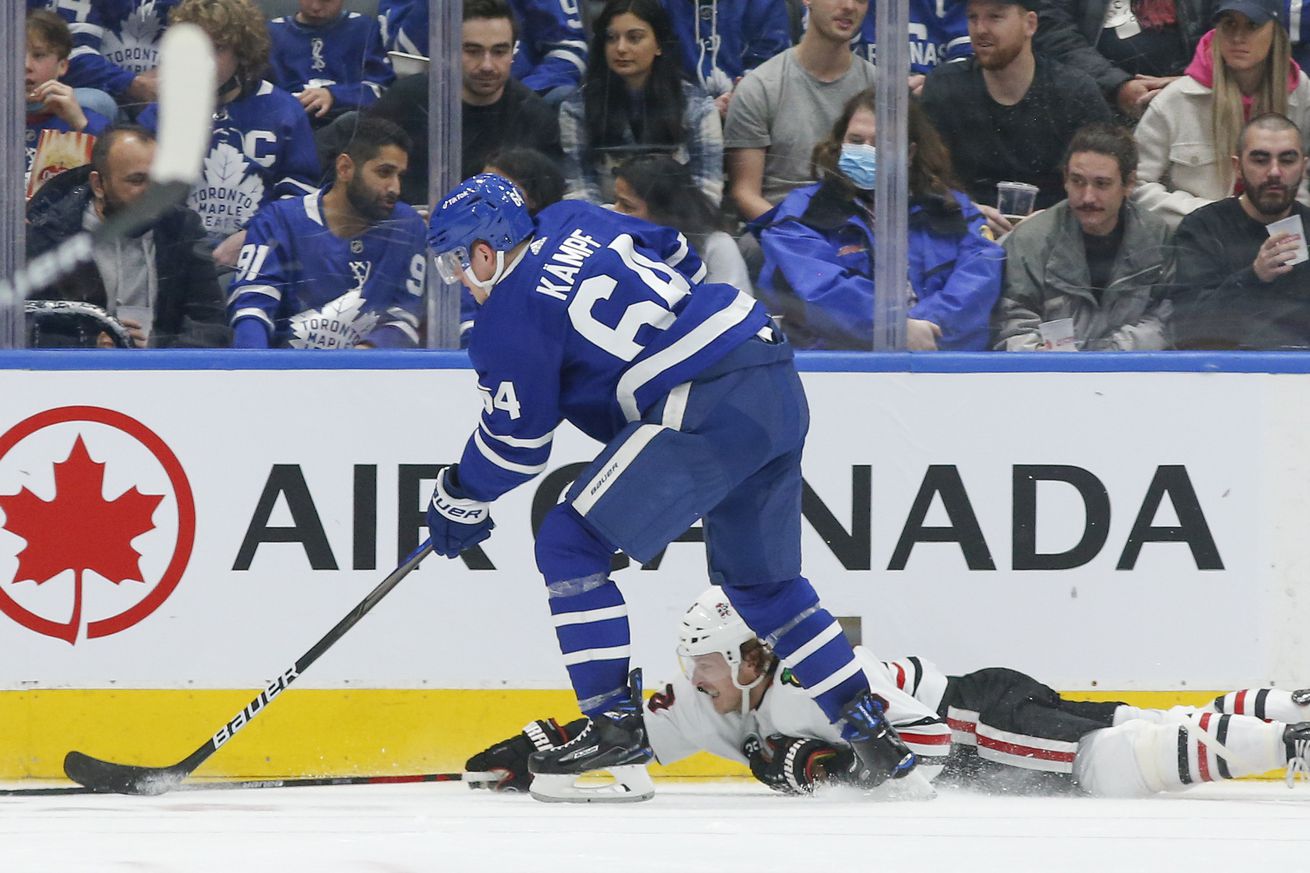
(819, 245)
(1243, 273)
(1241, 69)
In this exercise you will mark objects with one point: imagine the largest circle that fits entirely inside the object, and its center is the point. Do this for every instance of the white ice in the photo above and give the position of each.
(688, 827)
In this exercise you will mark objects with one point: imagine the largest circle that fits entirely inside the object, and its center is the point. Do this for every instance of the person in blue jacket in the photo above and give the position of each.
(819, 246)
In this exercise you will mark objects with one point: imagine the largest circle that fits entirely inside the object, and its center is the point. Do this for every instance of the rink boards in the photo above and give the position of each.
(1122, 525)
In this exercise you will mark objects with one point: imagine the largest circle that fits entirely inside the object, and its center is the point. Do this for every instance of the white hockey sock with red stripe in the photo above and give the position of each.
(1270, 703)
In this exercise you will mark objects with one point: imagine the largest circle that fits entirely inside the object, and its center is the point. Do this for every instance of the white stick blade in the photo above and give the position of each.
(186, 103)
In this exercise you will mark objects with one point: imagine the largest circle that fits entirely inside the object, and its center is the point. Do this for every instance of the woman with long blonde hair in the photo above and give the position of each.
(1186, 137)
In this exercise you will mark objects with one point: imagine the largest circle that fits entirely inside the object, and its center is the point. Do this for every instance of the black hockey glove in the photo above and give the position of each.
(509, 758)
(794, 765)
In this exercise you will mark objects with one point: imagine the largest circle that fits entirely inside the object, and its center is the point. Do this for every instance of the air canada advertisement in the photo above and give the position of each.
(175, 528)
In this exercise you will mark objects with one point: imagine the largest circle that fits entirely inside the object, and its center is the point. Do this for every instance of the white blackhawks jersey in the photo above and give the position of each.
(681, 721)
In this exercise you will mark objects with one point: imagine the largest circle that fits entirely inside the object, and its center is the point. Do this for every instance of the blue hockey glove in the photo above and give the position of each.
(455, 520)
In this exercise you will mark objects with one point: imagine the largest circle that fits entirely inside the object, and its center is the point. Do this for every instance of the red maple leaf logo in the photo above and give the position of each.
(79, 530)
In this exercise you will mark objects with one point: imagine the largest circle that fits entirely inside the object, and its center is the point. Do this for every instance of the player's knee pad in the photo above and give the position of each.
(1128, 760)
(567, 548)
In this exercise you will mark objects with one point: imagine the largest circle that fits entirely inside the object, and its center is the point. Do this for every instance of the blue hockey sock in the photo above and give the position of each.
(590, 615)
(788, 617)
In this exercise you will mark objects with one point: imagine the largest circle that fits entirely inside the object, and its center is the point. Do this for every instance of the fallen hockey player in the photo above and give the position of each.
(995, 728)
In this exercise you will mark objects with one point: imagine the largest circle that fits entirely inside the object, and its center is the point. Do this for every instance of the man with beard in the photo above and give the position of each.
(1096, 258)
(498, 111)
(161, 285)
(1240, 283)
(1007, 114)
(339, 269)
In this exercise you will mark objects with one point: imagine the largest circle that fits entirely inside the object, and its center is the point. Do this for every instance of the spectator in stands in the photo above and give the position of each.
(1132, 49)
(1242, 69)
(342, 268)
(1007, 114)
(658, 189)
(719, 41)
(636, 101)
(551, 59)
(1237, 287)
(115, 49)
(939, 34)
(167, 272)
(262, 146)
(52, 104)
(786, 105)
(1095, 258)
(330, 59)
(819, 245)
(498, 110)
(534, 173)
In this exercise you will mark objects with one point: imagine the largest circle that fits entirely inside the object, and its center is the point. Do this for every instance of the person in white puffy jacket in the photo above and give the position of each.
(1189, 131)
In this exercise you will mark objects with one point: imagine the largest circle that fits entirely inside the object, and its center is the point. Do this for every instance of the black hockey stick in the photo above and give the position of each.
(290, 782)
(186, 109)
(106, 776)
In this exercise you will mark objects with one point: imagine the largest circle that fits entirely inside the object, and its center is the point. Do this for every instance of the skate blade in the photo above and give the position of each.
(632, 784)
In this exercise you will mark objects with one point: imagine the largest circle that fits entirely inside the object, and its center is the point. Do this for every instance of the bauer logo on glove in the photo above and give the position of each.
(455, 520)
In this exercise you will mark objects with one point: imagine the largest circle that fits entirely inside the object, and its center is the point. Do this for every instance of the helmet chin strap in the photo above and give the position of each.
(746, 689)
(495, 277)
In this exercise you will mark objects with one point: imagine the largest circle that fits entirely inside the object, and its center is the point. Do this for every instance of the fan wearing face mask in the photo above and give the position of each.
(819, 247)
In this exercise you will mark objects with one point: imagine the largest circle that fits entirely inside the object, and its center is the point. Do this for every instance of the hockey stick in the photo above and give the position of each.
(106, 776)
(291, 782)
(186, 109)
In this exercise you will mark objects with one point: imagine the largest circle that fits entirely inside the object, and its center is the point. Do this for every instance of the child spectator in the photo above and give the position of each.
(51, 104)
(635, 100)
(330, 59)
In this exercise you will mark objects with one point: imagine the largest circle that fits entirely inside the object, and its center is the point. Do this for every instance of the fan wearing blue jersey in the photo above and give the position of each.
(262, 146)
(338, 269)
(330, 59)
(604, 321)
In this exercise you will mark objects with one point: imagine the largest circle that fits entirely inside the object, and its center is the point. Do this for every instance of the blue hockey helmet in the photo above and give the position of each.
(484, 208)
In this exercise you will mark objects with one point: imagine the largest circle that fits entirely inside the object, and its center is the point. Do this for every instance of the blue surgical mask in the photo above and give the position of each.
(859, 163)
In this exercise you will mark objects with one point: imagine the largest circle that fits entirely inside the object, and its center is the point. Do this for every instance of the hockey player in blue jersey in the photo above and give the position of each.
(602, 320)
(330, 59)
(262, 147)
(339, 269)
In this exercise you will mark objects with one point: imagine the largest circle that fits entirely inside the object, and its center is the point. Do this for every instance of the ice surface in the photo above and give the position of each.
(688, 827)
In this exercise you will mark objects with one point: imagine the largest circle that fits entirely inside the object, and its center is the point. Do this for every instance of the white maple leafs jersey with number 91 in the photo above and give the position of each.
(601, 317)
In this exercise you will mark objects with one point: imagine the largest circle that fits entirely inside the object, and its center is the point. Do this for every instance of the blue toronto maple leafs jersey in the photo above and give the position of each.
(721, 40)
(113, 40)
(262, 148)
(552, 48)
(292, 270)
(939, 33)
(602, 316)
(344, 56)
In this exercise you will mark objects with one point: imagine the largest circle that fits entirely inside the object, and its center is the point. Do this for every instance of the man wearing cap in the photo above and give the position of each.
(1005, 114)
(1242, 280)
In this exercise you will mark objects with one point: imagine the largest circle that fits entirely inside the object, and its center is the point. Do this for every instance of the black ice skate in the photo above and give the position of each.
(880, 753)
(1297, 738)
(614, 741)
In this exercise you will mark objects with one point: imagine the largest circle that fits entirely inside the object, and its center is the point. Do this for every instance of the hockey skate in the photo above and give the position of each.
(879, 751)
(614, 741)
(1297, 738)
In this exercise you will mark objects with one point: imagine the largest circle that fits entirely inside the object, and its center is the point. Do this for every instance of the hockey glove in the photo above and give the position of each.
(455, 520)
(794, 765)
(509, 758)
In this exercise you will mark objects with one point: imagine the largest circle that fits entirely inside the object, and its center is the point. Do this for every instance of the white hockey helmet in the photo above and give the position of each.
(711, 625)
